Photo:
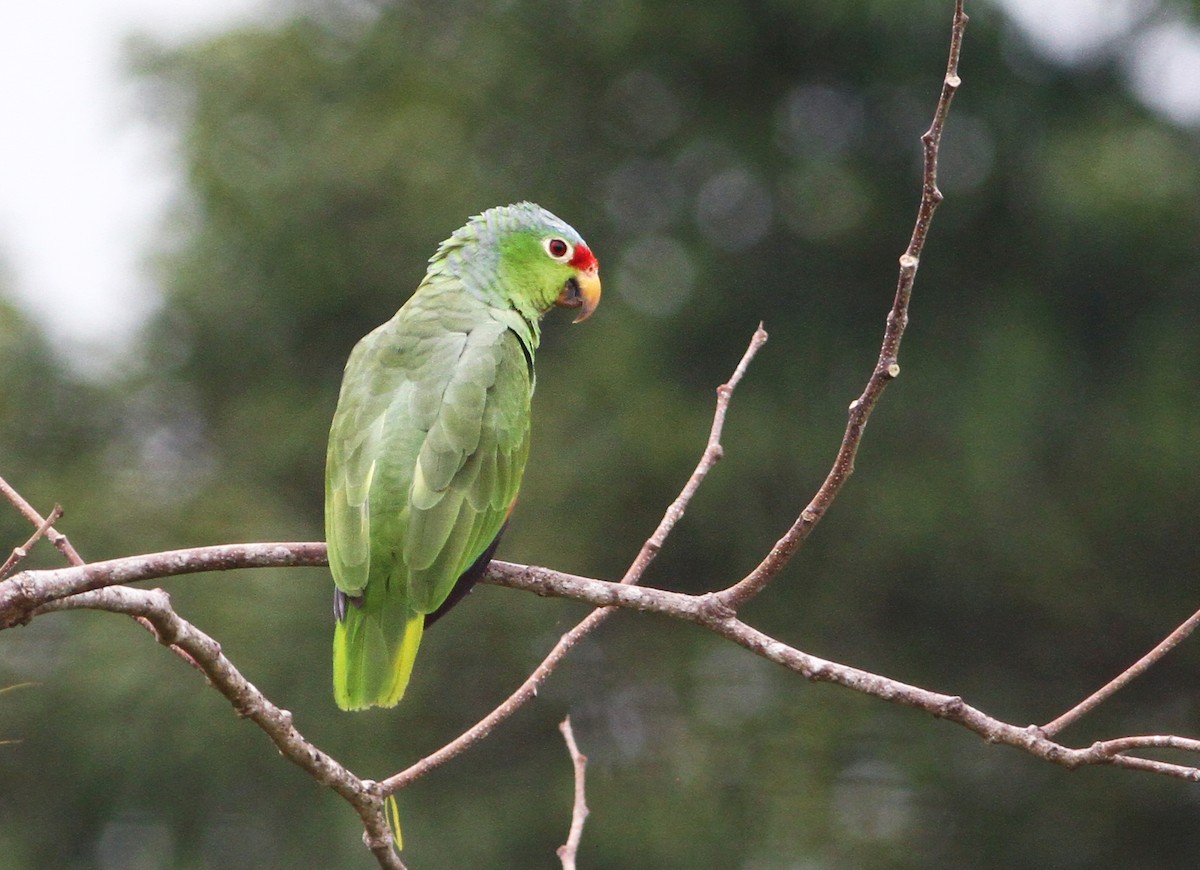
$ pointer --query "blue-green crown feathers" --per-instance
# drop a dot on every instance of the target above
(480, 236)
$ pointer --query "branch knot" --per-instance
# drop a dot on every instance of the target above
(711, 608)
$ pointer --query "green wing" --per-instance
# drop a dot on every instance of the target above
(426, 453)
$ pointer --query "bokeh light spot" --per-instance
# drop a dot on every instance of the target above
(643, 195)
(656, 275)
(819, 120)
(733, 210)
(822, 201)
(640, 110)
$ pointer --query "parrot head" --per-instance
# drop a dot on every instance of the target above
(528, 257)
(582, 288)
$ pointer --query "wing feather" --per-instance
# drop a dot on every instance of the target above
(483, 422)
(426, 450)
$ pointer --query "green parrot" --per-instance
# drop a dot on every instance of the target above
(430, 437)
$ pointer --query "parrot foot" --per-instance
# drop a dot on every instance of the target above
(340, 600)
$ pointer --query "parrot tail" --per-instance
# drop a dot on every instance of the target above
(374, 646)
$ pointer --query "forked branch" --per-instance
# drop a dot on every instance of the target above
(172, 630)
(57, 538)
(21, 552)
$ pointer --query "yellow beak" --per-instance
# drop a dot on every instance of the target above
(582, 292)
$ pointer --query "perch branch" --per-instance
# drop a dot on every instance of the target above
(24, 592)
(568, 851)
(704, 610)
(887, 367)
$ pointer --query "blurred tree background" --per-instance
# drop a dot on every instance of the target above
(1020, 528)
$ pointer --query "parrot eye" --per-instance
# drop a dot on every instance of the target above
(557, 249)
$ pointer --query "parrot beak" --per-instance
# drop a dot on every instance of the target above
(582, 292)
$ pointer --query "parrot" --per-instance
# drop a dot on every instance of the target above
(429, 440)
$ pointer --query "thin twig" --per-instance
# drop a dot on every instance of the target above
(713, 452)
(57, 538)
(481, 729)
(72, 556)
(60, 541)
(529, 688)
(1147, 741)
(887, 367)
(22, 551)
(1125, 677)
(568, 851)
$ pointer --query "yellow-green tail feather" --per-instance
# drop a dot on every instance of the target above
(393, 816)
(373, 656)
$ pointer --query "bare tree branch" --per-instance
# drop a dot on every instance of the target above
(481, 729)
(97, 586)
(172, 630)
(709, 612)
(704, 610)
(713, 452)
(69, 552)
(1149, 741)
(57, 538)
(887, 368)
(1125, 677)
(22, 551)
(568, 851)
(22, 593)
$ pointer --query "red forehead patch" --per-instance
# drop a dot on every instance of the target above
(584, 260)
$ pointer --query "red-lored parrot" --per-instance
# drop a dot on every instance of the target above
(430, 437)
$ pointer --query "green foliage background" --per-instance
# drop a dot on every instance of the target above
(1021, 525)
